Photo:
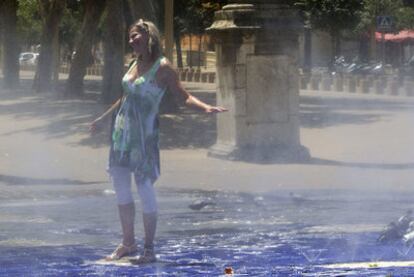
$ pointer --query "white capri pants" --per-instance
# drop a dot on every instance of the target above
(121, 180)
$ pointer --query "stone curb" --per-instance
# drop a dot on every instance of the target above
(369, 84)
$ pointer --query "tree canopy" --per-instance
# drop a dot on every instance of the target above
(333, 16)
(29, 24)
(357, 17)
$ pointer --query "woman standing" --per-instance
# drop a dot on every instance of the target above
(134, 148)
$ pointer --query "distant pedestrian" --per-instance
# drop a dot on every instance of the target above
(134, 145)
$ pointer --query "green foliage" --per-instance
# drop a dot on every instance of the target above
(406, 18)
(373, 8)
(194, 16)
(356, 16)
(70, 24)
(208, 10)
(29, 25)
(331, 15)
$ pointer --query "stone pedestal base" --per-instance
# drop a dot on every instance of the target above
(257, 67)
(261, 154)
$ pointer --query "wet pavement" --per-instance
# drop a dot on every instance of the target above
(58, 214)
(272, 234)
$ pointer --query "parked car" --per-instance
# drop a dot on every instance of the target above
(28, 58)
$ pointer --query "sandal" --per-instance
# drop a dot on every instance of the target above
(122, 251)
(146, 258)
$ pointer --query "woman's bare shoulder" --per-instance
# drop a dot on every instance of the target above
(166, 69)
(166, 65)
(166, 73)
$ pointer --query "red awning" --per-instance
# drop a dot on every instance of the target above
(404, 35)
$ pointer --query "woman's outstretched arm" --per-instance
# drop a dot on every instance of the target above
(169, 77)
(94, 126)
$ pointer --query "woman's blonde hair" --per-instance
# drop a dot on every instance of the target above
(154, 40)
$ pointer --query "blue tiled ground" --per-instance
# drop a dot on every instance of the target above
(257, 235)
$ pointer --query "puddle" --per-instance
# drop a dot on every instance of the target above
(255, 235)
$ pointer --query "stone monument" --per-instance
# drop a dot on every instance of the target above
(257, 51)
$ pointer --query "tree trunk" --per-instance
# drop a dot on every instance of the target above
(51, 12)
(1, 33)
(363, 50)
(338, 49)
(114, 39)
(200, 38)
(335, 46)
(372, 45)
(190, 60)
(83, 49)
(10, 48)
(145, 9)
(178, 50)
(307, 66)
(56, 61)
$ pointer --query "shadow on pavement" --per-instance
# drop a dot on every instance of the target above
(322, 112)
(15, 180)
(186, 129)
(395, 166)
(70, 116)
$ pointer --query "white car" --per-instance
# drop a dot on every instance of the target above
(28, 58)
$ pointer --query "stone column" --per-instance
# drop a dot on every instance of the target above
(258, 81)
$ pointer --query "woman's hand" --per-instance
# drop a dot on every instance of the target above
(95, 126)
(214, 109)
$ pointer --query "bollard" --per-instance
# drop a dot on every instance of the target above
(364, 85)
(338, 83)
(409, 87)
(304, 81)
(204, 77)
(393, 86)
(358, 80)
(379, 85)
(351, 84)
(183, 74)
(211, 77)
(197, 75)
(314, 82)
(370, 79)
(190, 75)
(326, 83)
(179, 71)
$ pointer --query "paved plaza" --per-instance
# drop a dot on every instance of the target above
(356, 141)
(58, 213)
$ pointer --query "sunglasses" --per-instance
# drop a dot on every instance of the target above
(141, 26)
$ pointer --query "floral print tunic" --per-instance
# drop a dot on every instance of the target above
(135, 129)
